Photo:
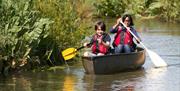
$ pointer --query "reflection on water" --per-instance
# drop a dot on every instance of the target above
(15, 84)
(68, 84)
(115, 82)
(164, 39)
(156, 27)
(144, 79)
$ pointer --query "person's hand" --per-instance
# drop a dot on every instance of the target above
(99, 41)
(138, 40)
(128, 28)
(117, 23)
(118, 20)
(85, 44)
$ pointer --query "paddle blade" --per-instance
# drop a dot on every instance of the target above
(69, 53)
(156, 59)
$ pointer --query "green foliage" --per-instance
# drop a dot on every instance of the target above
(70, 21)
(37, 30)
(115, 8)
(110, 7)
(137, 7)
(22, 28)
(168, 10)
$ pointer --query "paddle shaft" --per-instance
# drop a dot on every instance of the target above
(155, 58)
(83, 46)
(134, 36)
(80, 48)
(77, 49)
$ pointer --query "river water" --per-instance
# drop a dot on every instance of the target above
(162, 38)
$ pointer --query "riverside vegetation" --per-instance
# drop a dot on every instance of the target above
(34, 32)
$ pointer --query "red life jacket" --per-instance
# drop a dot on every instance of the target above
(127, 38)
(98, 48)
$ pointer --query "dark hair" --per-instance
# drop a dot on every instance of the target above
(100, 24)
(130, 19)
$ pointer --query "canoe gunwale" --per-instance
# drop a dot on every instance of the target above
(113, 63)
(141, 50)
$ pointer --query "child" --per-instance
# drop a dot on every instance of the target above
(123, 41)
(100, 41)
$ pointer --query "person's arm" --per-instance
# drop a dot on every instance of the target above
(136, 34)
(106, 41)
(114, 29)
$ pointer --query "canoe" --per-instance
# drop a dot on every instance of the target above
(114, 63)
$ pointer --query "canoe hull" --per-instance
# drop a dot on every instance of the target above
(115, 63)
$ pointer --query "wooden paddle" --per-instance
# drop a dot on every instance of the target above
(155, 58)
(71, 52)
